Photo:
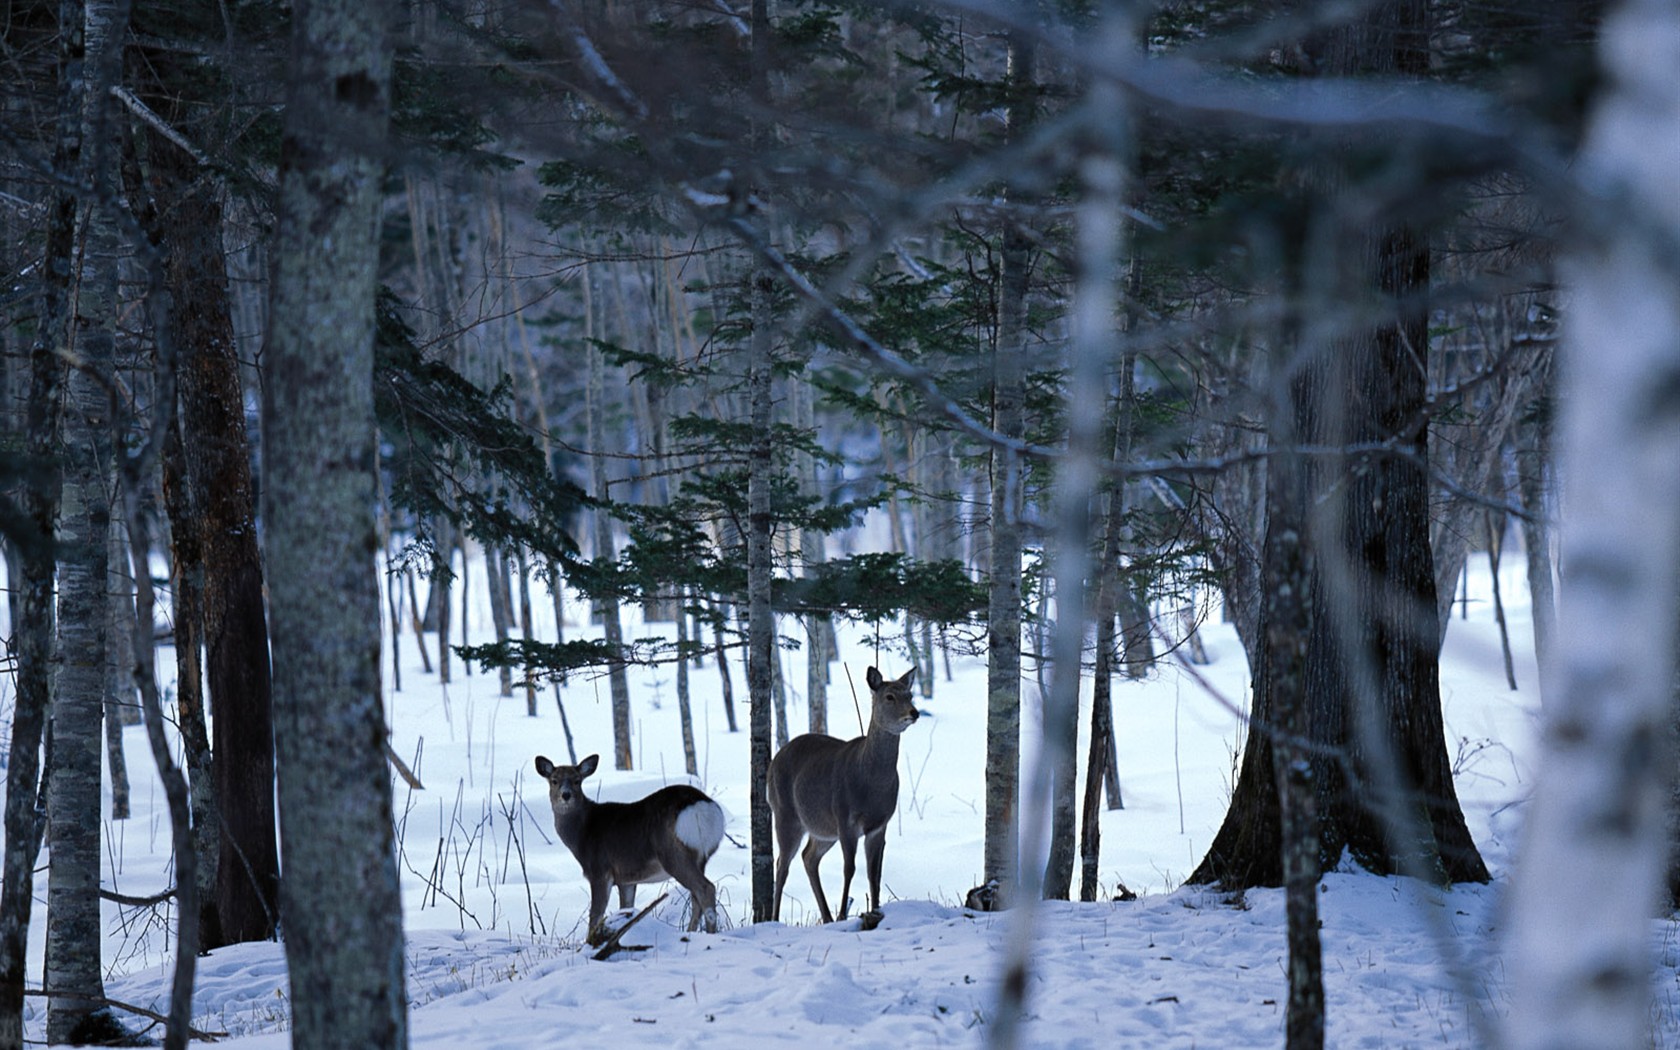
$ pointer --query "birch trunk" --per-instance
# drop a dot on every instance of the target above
(1592, 871)
(35, 624)
(1003, 604)
(74, 975)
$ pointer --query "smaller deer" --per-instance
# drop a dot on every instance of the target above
(838, 791)
(671, 833)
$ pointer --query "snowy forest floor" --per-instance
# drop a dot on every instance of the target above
(495, 905)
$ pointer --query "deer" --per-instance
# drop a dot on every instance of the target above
(671, 833)
(830, 790)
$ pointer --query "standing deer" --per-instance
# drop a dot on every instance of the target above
(671, 833)
(838, 790)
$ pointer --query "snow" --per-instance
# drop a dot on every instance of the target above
(495, 905)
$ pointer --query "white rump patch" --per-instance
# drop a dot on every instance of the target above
(700, 827)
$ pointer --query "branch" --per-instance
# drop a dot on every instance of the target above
(611, 944)
(127, 901)
(157, 123)
(139, 1011)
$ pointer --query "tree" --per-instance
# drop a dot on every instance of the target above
(761, 624)
(215, 527)
(1003, 619)
(1597, 847)
(25, 814)
(340, 902)
(1383, 785)
(74, 973)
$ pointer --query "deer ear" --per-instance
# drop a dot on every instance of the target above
(909, 676)
(873, 677)
(544, 766)
(587, 766)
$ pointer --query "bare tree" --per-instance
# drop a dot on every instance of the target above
(340, 899)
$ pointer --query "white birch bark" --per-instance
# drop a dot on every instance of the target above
(1592, 868)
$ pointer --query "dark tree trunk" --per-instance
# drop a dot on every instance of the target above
(501, 607)
(187, 586)
(341, 901)
(1372, 674)
(120, 708)
(35, 626)
(527, 631)
(726, 682)
(217, 458)
(760, 620)
(1280, 673)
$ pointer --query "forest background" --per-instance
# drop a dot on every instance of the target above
(1104, 307)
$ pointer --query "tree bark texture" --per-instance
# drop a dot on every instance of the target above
(340, 899)
(216, 455)
(761, 638)
(612, 628)
(120, 706)
(186, 583)
(35, 627)
(74, 975)
(1372, 675)
(1592, 871)
(1003, 604)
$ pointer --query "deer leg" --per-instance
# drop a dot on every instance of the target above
(812, 856)
(627, 895)
(874, 844)
(848, 857)
(788, 833)
(597, 909)
(690, 874)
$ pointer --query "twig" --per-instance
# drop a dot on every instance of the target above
(402, 768)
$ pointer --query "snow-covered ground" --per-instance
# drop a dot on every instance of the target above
(495, 904)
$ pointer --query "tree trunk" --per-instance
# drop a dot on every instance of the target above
(35, 626)
(811, 554)
(1533, 459)
(186, 582)
(1596, 845)
(74, 974)
(612, 628)
(685, 712)
(1496, 542)
(1003, 632)
(341, 900)
(521, 565)
(120, 708)
(1280, 675)
(501, 607)
(760, 624)
(217, 458)
(761, 628)
(726, 684)
(443, 575)
(1381, 770)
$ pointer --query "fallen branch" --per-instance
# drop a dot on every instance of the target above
(612, 945)
(138, 1011)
